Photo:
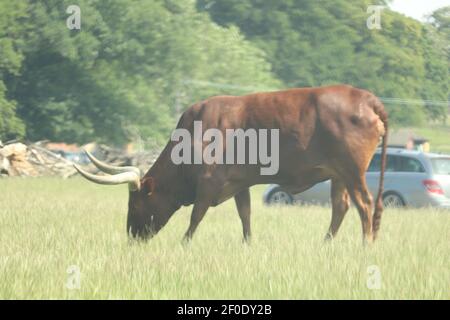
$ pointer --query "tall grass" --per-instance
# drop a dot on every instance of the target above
(48, 225)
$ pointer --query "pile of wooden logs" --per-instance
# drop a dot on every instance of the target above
(33, 160)
(18, 159)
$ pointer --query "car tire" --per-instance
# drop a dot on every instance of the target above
(277, 196)
(392, 199)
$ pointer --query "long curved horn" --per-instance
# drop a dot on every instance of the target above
(130, 177)
(109, 168)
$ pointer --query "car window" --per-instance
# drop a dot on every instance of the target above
(374, 165)
(407, 164)
(396, 163)
(391, 163)
(441, 166)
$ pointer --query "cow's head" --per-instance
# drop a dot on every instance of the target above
(149, 208)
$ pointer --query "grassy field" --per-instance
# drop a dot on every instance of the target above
(49, 225)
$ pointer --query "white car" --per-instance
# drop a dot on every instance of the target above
(412, 178)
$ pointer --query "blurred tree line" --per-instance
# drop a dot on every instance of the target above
(136, 64)
(312, 43)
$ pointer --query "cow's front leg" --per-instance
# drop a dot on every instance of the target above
(198, 212)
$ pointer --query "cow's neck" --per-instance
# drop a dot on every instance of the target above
(169, 179)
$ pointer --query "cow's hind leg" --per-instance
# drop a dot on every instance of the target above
(242, 200)
(340, 202)
(363, 200)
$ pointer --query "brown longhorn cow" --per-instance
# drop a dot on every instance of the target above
(324, 133)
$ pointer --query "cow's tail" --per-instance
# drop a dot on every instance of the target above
(379, 110)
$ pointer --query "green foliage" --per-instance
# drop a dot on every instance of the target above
(10, 125)
(136, 65)
(12, 13)
(128, 73)
(437, 56)
(312, 43)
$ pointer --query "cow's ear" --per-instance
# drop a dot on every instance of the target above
(148, 184)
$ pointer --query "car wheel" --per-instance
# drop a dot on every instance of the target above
(279, 197)
(393, 200)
